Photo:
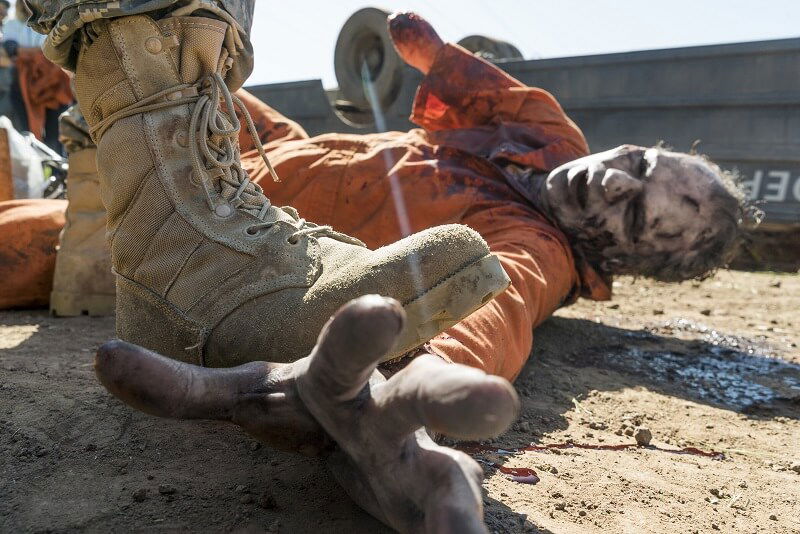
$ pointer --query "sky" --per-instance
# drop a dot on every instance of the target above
(295, 40)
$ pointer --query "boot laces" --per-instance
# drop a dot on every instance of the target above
(215, 156)
(214, 148)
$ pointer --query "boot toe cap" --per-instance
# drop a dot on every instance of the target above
(431, 265)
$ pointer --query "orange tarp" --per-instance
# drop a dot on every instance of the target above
(28, 238)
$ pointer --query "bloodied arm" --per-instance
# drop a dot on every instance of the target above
(369, 430)
(461, 91)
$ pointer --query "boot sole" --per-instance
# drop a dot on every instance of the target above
(66, 304)
(449, 302)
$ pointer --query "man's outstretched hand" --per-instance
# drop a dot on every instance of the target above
(335, 403)
(415, 40)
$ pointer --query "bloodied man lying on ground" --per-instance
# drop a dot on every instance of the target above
(491, 154)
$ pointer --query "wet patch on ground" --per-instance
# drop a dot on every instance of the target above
(728, 370)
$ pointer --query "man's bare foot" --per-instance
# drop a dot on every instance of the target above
(415, 40)
(382, 455)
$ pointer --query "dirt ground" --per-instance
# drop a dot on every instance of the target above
(712, 365)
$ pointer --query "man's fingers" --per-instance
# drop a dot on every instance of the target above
(415, 40)
(410, 28)
(349, 476)
(164, 387)
(454, 502)
(351, 345)
(450, 399)
(454, 518)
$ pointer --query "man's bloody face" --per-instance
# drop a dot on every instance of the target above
(632, 202)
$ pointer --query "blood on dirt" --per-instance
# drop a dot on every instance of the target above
(525, 475)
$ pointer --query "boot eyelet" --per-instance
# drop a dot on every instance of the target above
(193, 179)
(181, 138)
(153, 45)
(291, 240)
(250, 232)
(223, 210)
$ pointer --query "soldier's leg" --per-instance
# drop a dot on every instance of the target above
(83, 282)
(63, 20)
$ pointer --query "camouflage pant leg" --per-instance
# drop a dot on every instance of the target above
(60, 20)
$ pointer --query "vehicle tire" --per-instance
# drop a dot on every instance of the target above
(489, 48)
(365, 37)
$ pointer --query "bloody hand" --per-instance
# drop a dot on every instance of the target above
(334, 402)
(415, 40)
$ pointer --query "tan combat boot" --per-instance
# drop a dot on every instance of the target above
(209, 271)
(83, 283)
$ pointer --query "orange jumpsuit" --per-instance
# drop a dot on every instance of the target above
(475, 120)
